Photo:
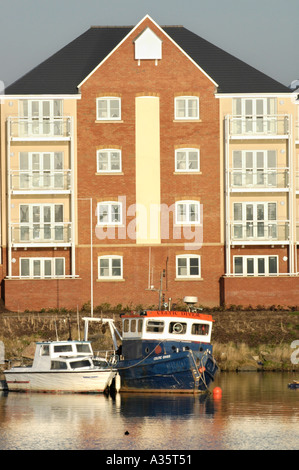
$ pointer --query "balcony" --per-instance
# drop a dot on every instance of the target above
(259, 232)
(40, 182)
(38, 129)
(40, 235)
(260, 180)
(250, 127)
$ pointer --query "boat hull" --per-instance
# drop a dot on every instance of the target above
(182, 372)
(95, 381)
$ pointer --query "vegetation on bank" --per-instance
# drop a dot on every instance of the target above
(243, 339)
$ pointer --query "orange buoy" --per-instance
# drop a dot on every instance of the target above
(217, 392)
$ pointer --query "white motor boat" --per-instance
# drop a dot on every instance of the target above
(62, 367)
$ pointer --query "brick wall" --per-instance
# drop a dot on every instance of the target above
(265, 291)
(174, 75)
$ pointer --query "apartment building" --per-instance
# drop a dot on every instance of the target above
(142, 164)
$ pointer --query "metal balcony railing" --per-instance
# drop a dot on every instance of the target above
(259, 179)
(24, 180)
(270, 125)
(260, 231)
(46, 233)
(41, 127)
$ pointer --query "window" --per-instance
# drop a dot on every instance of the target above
(109, 213)
(254, 115)
(188, 266)
(41, 222)
(255, 265)
(187, 160)
(58, 365)
(41, 117)
(257, 168)
(108, 109)
(41, 170)
(255, 220)
(153, 326)
(187, 212)
(42, 267)
(108, 161)
(177, 328)
(126, 326)
(186, 107)
(140, 325)
(41, 108)
(63, 348)
(110, 267)
(80, 364)
(45, 350)
(83, 348)
(200, 329)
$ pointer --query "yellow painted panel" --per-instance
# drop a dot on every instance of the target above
(148, 170)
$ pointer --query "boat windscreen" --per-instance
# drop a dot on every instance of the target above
(79, 364)
(154, 326)
(58, 365)
(83, 348)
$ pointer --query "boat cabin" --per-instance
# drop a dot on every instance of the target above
(168, 326)
(62, 355)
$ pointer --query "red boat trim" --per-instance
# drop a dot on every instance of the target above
(18, 381)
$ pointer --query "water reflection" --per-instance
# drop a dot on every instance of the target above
(256, 411)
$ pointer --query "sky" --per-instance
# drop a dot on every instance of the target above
(263, 33)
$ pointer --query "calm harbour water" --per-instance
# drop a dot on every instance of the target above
(257, 411)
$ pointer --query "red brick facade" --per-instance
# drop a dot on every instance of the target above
(121, 75)
(174, 75)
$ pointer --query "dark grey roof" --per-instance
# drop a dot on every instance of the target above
(66, 69)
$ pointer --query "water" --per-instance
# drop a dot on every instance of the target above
(256, 411)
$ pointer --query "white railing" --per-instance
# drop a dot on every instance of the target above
(40, 127)
(270, 125)
(24, 180)
(270, 178)
(30, 234)
(260, 231)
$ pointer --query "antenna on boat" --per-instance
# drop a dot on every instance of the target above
(190, 301)
(56, 330)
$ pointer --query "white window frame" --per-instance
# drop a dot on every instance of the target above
(26, 108)
(187, 115)
(109, 205)
(188, 266)
(37, 228)
(42, 177)
(256, 258)
(255, 227)
(188, 213)
(258, 115)
(42, 275)
(255, 169)
(187, 151)
(108, 100)
(110, 259)
(41, 117)
(109, 160)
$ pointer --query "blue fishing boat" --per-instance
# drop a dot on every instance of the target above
(166, 351)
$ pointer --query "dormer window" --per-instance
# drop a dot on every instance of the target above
(148, 46)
